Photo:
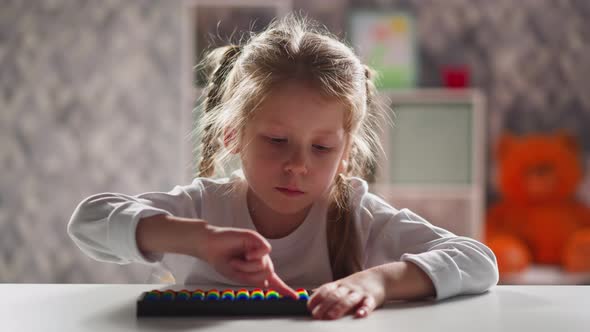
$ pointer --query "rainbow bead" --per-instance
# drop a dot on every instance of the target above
(228, 294)
(168, 295)
(302, 293)
(153, 295)
(213, 294)
(183, 295)
(243, 294)
(257, 294)
(272, 295)
(198, 295)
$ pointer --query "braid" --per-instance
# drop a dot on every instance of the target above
(214, 91)
(372, 123)
(343, 243)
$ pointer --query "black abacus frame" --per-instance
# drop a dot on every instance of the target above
(188, 307)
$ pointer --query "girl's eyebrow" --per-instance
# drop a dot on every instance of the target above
(327, 132)
(324, 132)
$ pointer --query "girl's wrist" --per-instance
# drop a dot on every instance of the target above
(379, 282)
(405, 281)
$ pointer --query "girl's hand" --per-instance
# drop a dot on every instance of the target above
(243, 255)
(358, 294)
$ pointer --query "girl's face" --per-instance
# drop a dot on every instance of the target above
(293, 147)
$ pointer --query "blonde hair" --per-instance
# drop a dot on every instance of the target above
(295, 48)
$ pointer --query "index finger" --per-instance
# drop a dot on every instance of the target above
(280, 286)
(255, 246)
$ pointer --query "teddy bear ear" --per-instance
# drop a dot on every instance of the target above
(505, 143)
(568, 139)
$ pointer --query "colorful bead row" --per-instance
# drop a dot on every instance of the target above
(214, 295)
(302, 293)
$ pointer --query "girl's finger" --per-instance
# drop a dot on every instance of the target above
(349, 302)
(329, 301)
(256, 279)
(259, 278)
(252, 245)
(320, 295)
(256, 253)
(276, 283)
(366, 307)
(247, 266)
(255, 246)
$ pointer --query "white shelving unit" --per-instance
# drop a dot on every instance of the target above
(434, 161)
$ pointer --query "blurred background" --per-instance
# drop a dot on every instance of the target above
(97, 96)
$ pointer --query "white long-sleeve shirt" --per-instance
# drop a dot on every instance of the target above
(104, 228)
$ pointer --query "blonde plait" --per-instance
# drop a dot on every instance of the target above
(210, 143)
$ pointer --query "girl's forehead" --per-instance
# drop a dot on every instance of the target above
(294, 104)
(324, 121)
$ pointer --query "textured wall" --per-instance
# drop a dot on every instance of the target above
(90, 96)
(90, 101)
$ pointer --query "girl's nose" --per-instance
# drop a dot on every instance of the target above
(296, 163)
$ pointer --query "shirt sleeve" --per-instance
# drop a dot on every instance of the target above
(455, 264)
(103, 226)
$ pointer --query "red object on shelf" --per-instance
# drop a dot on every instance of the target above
(456, 76)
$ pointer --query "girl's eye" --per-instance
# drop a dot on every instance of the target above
(322, 148)
(277, 140)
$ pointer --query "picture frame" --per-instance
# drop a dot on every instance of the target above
(386, 42)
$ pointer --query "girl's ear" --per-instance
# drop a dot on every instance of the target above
(343, 167)
(229, 140)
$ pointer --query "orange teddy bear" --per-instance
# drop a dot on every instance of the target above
(538, 219)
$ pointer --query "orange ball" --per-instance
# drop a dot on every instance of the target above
(577, 252)
(512, 255)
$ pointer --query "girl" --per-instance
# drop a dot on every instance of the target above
(298, 109)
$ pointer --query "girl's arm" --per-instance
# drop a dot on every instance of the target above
(407, 258)
(404, 281)
(163, 233)
(104, 226)
(122, 229)
(454, 264)
(239, 254)
(362, 292)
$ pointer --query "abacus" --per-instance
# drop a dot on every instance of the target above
(214, 302)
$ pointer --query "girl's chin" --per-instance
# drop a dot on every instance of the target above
(289, 209)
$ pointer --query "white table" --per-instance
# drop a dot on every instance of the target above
(62, 307)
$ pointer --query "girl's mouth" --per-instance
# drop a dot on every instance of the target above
(290, 192)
